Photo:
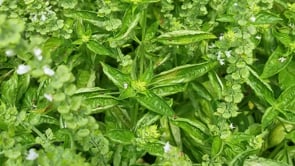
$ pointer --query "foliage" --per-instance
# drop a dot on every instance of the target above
(147, 82)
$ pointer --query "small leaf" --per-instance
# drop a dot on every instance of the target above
(99, 49)
(276, 62)
(117, 77)
(153, 149)
(100, 102)
(121, 136)
(285, 38)
(197, 124)
(184, 37)
(267, 18)
(261, 89)
(154, 103)
(217, 146)
(183, 74)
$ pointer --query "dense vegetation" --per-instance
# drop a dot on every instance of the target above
(147, 82)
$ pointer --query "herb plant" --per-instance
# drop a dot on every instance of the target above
(147, 82)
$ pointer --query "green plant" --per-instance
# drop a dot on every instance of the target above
(147, 82)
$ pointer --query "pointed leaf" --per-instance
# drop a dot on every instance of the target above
(121, 136)
(117, 77)
(287, 76)
(184, 37)
(183, 74)
(267, 18)
(154, 103)
(287, 97)
(268, 117)
(261, 89)
(276, 62)
(167, 90)
(99, 49)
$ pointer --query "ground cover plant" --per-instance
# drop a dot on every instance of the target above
(147, 82)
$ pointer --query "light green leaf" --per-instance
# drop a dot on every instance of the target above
(286, 97)
(167, 90)
(121, 136)
(184, 37)
(269, 116)
(267, 18)
(263, 162)
(276, 62)
(154, 103)
(287, 76)
(153, 149)
(183, 74)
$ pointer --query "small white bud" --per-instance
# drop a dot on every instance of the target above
(125, 85)
(23, 69)
(48, 71)
(252, 19)
(43, 17)
(282, 59)
(167, 147)
(9, 53)
(221, 61)
(37, 53)
(235, 4)
(33, 155)
(231, 126)
(228, 53)
(48, 97)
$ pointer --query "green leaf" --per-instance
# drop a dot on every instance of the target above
(116, 76)
(287, 76)
(99, 49)
(99, 103)
(201, 91)
(153, 148)
(276, 62)
(88, 16)
(241, 157)
(9, 90)
(217, 146)
(147, 119)
(68, 4)
(181, 37)
(269, 116)
(267, 18)
(261, 89)
(167, 90)
(121, 136)
(154, 103)
(286, 97)
(183, 74)
(285, 38)
(197, 124)
(263, 162)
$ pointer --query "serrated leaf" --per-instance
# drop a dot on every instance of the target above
(154, 103)
(261, 89)
(116, 76)
(182, 37)
(121, 136)
(183, 74)
(276, 62)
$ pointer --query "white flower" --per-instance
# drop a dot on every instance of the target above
(228, 53)
(221, 61)
(33, 155)
(235, 4)
(23, 69)
(212, 45)
(125, 85)
(252, 19)
(48, 71)
(258, 37)
(167, 147)
(9, 52)
(282, 59)
(1, 1)
(48, 97)
(43, 17)
(231, 126)
(221, 37)
(37, 53)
